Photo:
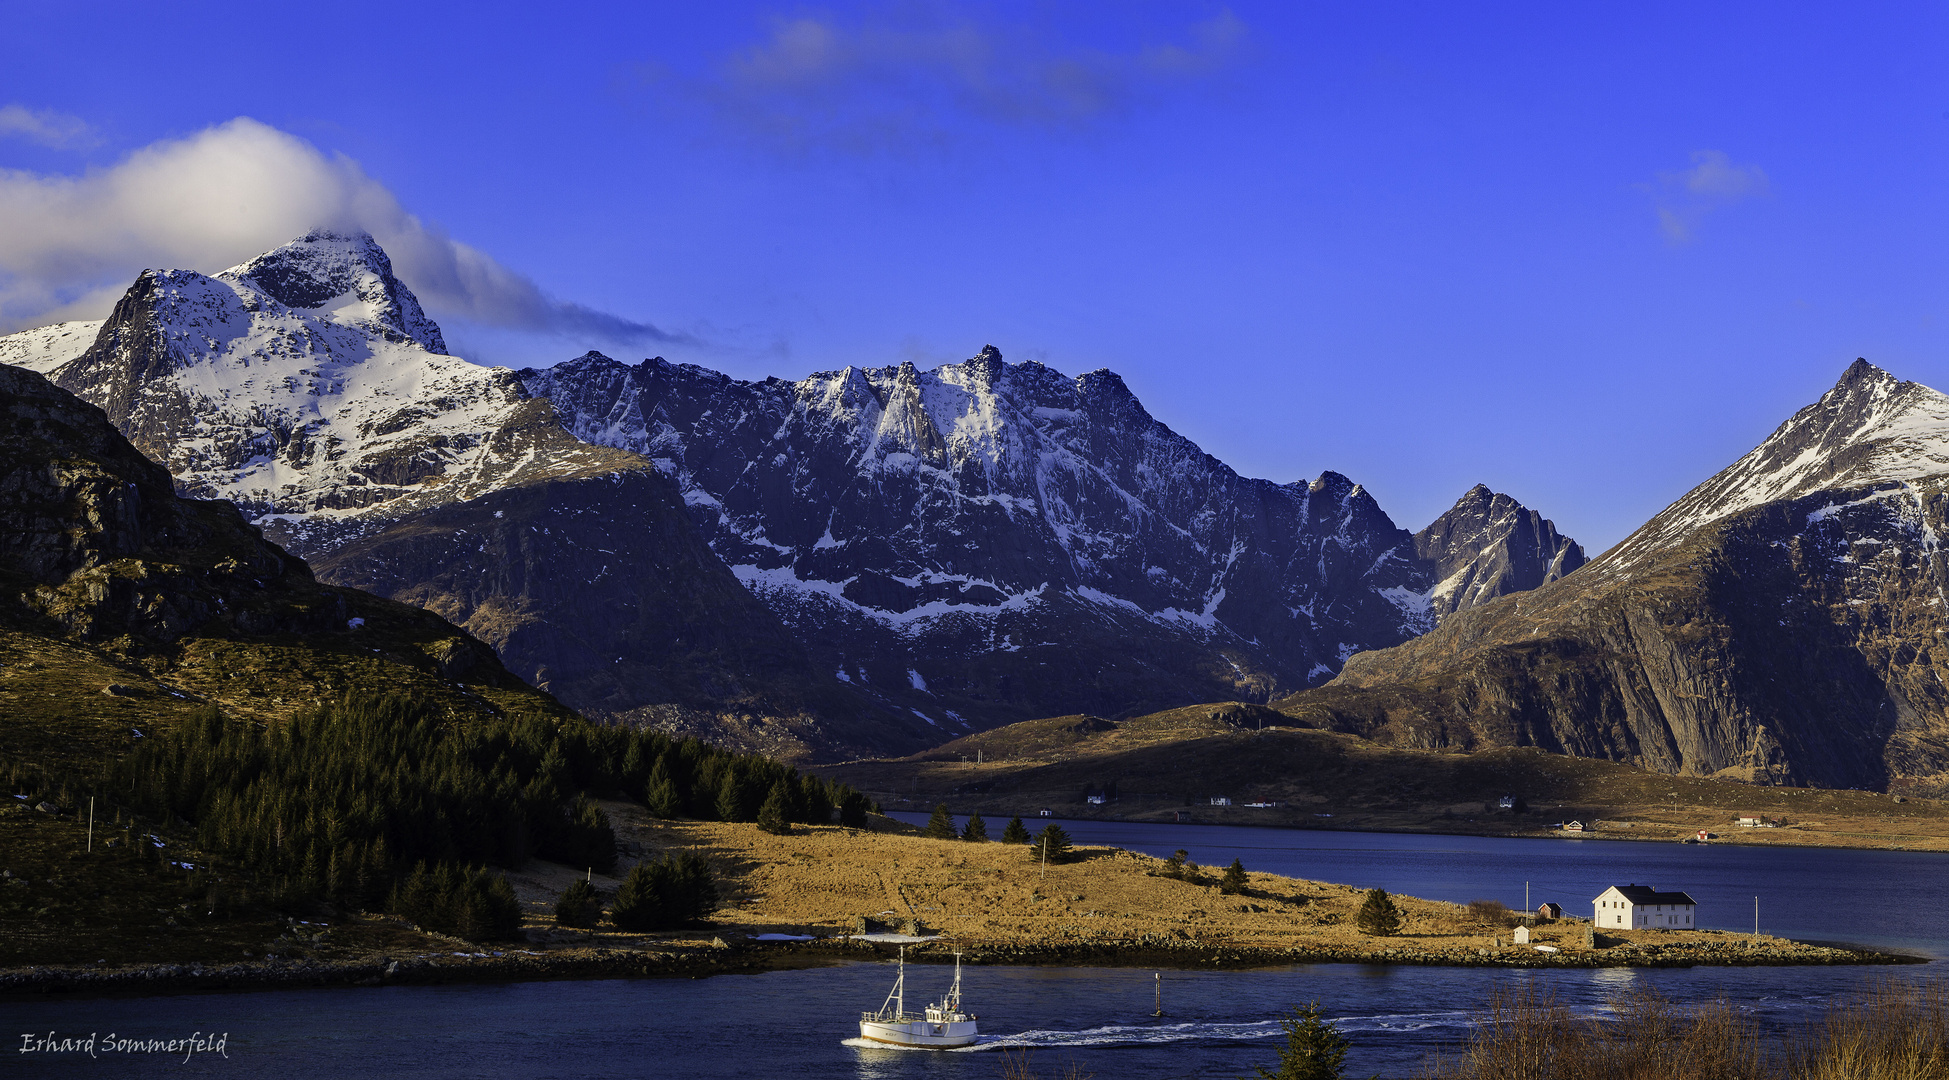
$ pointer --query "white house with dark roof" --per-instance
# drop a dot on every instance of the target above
(1641, 907)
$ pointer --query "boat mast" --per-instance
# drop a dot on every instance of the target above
(953, 1002)
(897, 997)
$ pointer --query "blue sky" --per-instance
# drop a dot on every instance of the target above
(1586, 257)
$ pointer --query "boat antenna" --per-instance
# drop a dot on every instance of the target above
(1159, 976)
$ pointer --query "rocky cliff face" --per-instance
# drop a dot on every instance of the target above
(992, 541)
(1489, 545)
(1781, 623)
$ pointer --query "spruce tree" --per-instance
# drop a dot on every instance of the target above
(773, 817)
(1379, 916)
(1052, 844)
(976, 830)
(941, 825)
(641, 903)
(852, 810)
(1015, 832)
(1234, 881)
(693, 887)
(662, 800)
(1315, 1049)
(730, 799)
(577, 906)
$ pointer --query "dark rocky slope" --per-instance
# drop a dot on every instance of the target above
(122, 603)
(1782, 623)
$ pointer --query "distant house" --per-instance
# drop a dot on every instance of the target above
(1549, 912)
(1181, 815)
(1266, 804)
(1704, 835)
(1641, 907)
(1507, 802)
(1045, 812)
(1095, 800)
(1221, 800)
(1749, 823)
(1573, 826)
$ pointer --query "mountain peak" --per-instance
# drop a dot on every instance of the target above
(346, 272)
(1871, 430)
(1862, 373)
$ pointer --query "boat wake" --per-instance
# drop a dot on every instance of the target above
(1194, 1031)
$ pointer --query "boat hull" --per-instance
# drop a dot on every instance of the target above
(919, 1032)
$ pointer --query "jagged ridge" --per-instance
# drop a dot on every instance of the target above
(1780, 623)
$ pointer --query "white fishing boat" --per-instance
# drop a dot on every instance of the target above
(939, 1025)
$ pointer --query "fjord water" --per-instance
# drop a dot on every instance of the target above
(1883, 899)
(1218, 1023)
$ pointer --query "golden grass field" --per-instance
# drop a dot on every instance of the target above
(992, 898)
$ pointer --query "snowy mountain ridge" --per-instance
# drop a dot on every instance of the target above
(1871, 430)
(973, 544)
(306, 385)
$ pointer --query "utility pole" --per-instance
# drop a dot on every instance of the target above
(91, 824)
(1526, 906)
(1756, 916)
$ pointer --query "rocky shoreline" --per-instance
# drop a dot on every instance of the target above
(724, 958)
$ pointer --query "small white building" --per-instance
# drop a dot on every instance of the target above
(1641, 907)
(1522, 935)
(1221, 800)
(1094, 800)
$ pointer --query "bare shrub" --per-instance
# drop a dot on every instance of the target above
(1892, 1032)
(1492, 913)
(1015, 1066)
(1527, 1035)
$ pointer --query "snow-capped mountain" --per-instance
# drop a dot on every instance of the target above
(308, 387)
(1783, 622)
(1871, 431)
(1002, 540)
(863, 560)
(305, 383)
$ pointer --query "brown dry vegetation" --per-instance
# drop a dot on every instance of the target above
(993, 899)
(1893, 1032)
(1175, 761)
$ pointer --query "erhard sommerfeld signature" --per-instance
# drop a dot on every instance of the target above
(198, 1042)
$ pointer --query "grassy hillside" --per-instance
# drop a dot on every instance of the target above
(1151, 768)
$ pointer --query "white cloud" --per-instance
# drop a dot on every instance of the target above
(885, 83)
(1686, 196)
(45, 126)
(224, 194)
